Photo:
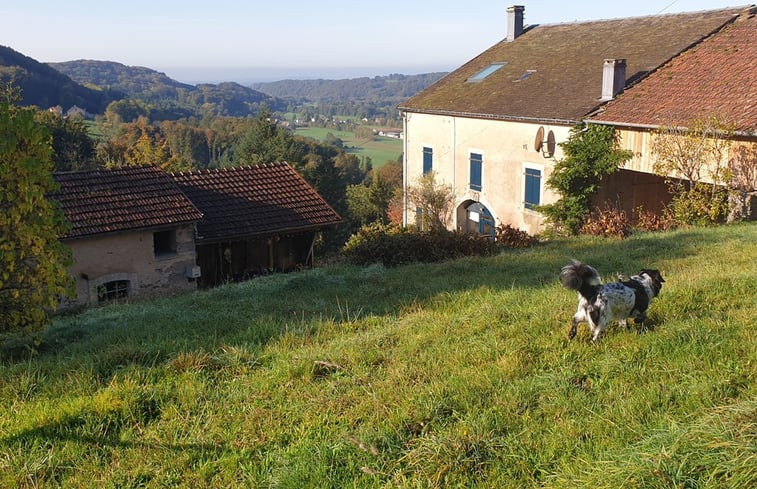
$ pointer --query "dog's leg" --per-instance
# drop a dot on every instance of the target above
(573, 327)
(624, 323)
(597, 336)
(639, 321)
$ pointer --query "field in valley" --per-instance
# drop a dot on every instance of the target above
(456, 374)
(379, 149)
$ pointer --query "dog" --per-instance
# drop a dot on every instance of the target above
(599, 304)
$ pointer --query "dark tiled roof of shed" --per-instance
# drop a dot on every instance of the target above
(121, 199)
(567, 59)
(253, 201)
(718, 77)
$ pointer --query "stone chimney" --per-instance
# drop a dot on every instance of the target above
(514, 21)
(613, 78)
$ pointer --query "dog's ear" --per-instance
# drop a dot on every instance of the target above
(655, 274)
(652, 273)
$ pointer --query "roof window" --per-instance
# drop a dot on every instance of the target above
(525, 75)
(483, 74)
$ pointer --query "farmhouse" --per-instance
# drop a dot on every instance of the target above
(132, 233)
(491, 129)
(138, 231)
(716, 79)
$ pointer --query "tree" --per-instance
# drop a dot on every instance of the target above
(742, 174)
(32, 260)
(370, 204)
(591, 152)
(694, 161)
(435, 201)
(73, 149)
(267, 142)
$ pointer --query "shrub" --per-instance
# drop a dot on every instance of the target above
(394, 245)
(650, 221)
(700, 205)
(608, 222)
(509, 237)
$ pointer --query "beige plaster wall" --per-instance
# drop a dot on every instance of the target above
(130, 256)
(507, 149)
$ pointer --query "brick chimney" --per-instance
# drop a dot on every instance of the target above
(613, 78)
(514, 21)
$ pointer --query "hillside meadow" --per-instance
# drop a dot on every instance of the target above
(379, 149)
(456, 374)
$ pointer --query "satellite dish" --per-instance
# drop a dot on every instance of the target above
(538, 140)
(550, 149)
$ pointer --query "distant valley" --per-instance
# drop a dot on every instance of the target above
(93, 85)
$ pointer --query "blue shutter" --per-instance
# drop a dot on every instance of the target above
(533, 188)
(476, 162)
(428, 159)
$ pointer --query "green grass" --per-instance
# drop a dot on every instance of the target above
(379, 149)
(456, 374)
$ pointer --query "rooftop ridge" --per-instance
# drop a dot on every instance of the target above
(735, 9)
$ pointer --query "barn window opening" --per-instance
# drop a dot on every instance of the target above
(114, 290)
(164, 243)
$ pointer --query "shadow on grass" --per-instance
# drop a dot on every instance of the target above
(253, 313)
(105, 430)
(62, 432)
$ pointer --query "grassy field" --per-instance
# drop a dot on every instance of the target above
(378, 149)
(440, 375)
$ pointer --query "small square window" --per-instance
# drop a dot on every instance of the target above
(164, 242)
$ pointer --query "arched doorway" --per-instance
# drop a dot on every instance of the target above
(475, 218)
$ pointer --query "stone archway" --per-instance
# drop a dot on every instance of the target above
(474, 218)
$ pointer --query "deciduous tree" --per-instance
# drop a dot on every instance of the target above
(434, 199)
(694, 160)
(32, 260)
(591, 152)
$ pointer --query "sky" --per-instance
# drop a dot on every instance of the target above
(246, 41)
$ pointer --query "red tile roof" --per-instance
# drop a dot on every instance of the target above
(254, 201)
(121, 199)
(567, 60)
(717, 77)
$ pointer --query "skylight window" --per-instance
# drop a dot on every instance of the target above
(481, 75)
(525, 75)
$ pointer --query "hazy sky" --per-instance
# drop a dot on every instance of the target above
(219, 40)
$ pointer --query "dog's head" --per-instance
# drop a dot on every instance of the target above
(655, 279)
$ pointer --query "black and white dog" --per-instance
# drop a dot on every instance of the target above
(599, 304)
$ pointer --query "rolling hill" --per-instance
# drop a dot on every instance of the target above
(46, 87)
(385, 89)
(151, 86)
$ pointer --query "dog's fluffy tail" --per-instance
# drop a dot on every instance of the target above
(582, 278)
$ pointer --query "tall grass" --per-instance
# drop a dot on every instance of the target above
(453, 374)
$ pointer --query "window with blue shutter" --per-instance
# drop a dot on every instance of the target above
(476, 163)
(533, 188)
(428, 159)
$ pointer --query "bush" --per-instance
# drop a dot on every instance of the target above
(608, 222)
(394, 245)
(650, 221)
(700, 205)
(509, 237)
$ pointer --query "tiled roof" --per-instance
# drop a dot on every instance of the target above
(717, 77)
(121, 199)
(567, 59)
(253, 201)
